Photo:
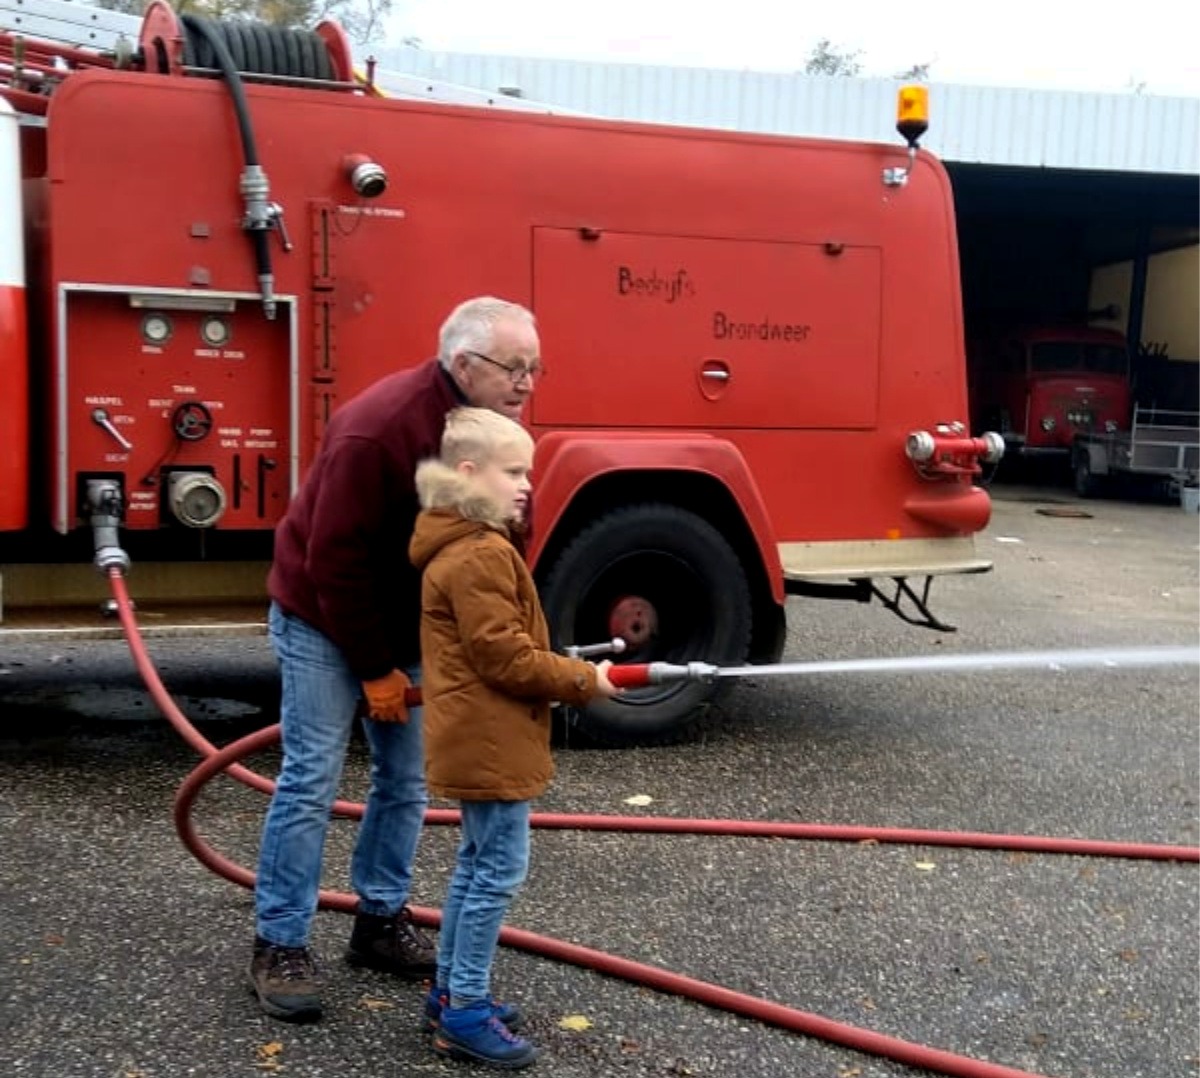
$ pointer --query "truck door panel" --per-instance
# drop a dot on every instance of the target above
(684, 331)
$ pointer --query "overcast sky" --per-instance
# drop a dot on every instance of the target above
(1057, 44)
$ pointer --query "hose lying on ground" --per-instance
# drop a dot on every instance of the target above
(225, 760)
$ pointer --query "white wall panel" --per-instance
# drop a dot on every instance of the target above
(991, 125)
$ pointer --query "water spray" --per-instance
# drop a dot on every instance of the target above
(639, 675)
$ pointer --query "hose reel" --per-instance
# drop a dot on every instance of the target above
(169, 46)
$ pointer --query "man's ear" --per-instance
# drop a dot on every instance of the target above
(458, 368)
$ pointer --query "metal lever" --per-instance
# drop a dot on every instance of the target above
(275, 215)
(100, 418)
(585, 651)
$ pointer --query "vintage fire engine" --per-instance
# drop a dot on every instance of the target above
(754, 344)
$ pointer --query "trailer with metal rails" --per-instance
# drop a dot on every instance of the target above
(1161, 445)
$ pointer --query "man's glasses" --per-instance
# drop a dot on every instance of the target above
(516, 374)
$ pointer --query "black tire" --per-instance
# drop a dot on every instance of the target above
(688, 577)
(1086, 482)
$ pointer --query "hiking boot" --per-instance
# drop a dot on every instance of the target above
(474, 1034)
(286, 982)
(392, 945)
(439, 998)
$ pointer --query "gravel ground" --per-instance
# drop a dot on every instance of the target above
(122, 957)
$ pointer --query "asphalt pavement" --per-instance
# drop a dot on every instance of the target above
(122, 957)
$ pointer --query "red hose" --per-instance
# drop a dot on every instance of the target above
(713, 995)
(177, 718)
(225, 760)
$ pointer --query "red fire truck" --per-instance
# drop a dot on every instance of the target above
(756, 381)
(1043, 385)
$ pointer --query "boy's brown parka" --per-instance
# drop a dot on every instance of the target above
(487, 674)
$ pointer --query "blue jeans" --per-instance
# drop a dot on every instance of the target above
(493, 859)
(319, 706)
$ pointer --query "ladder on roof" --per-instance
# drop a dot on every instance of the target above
(78, 25)
(67, 22)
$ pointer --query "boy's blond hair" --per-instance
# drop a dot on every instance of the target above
(478, 434)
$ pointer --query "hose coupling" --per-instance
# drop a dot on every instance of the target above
(368, 178)
(256, 191)
(106, 509)
(693, 671)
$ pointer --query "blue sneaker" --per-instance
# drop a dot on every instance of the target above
(475, 1035)
(438, 998)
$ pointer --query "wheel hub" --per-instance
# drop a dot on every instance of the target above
(634, 619)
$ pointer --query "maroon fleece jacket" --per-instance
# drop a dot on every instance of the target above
(341, 551)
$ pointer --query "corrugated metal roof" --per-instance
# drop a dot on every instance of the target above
(988, 125)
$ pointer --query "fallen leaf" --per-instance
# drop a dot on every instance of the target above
(849, 1072)
(376, 1004)
(639, 800)
(575, 1022)
(269, 1050)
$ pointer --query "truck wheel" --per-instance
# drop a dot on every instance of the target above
(664, 580)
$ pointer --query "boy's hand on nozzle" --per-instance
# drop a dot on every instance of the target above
(604, 687)
(385, 697)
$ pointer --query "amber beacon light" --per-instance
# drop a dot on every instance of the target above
(912, 121)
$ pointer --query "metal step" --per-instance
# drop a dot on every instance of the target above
(45, 602)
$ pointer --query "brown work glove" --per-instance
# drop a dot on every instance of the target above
(385, 697)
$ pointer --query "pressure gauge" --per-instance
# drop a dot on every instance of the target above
(215, 331)
(156, 328)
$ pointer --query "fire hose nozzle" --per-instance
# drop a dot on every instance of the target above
(639, 675)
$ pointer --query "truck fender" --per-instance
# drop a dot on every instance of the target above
(565, 462)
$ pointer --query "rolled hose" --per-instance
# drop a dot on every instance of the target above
(225, 760)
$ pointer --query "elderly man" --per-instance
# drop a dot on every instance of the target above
(344, 623)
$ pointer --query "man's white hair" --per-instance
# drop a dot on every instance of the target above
(470, 326)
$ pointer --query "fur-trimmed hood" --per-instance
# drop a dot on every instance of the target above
(452, 507)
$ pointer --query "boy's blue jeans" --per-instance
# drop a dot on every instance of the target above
(320, 699)
(493, 859)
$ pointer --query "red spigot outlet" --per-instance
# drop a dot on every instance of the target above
(950, 451)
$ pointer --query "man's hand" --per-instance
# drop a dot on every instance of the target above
(385, 697)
